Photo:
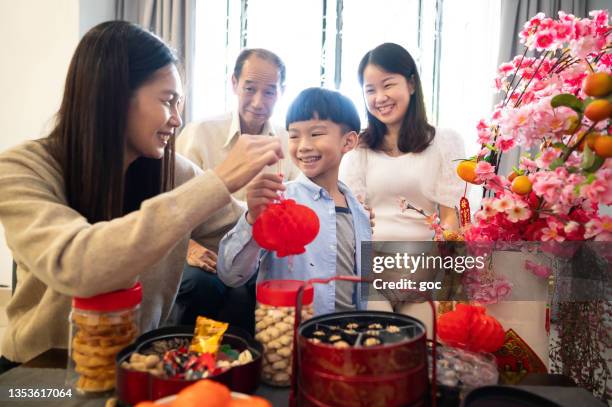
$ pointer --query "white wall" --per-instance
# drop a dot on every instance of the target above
(38, 39)
(92, 12)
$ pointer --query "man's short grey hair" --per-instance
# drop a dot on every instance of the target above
(263, 54)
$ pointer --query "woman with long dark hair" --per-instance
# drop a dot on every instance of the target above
(400, 155)
(104, 201)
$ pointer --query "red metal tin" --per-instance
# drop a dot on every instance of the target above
(393, 374)
(390, 374)
(133, 387)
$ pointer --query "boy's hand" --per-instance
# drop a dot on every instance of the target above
(260, 192)
(200, 256)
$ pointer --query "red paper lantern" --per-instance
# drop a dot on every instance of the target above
(469, 327)
(286, 227)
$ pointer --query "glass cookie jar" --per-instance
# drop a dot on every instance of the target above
(100, 327)
(274, 323)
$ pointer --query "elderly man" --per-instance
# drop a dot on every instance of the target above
(258, 81)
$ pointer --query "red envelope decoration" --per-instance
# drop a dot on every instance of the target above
(286, 227)
(516, 359)
(469, 327)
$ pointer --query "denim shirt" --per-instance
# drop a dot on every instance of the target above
(240, 256)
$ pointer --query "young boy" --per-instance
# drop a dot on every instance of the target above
(322, 126)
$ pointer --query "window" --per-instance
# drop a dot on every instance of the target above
(366, 25)
(292, 30)
(453, 42)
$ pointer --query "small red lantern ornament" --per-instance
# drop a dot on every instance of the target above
(469, 327)
(286, 227)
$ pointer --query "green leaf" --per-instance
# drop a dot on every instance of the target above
(573, 170)
(590, 179)
(472, 158)
(569, 100)
(490, 147)
(588, 157)
(558, 162)
(517, 170)
(597, 162)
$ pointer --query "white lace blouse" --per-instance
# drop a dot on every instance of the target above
(425, 179)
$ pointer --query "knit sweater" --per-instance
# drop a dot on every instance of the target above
(60, 255)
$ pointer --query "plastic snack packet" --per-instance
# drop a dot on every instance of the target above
(208, 335)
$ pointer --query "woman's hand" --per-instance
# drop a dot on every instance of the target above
(368, 209)
(263, 190)
(200, 256)
(371, 212)
(247, 158)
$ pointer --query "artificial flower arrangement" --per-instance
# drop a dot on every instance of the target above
(560, 104)
(556, 106)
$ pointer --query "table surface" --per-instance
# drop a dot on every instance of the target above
(48, 371)
(54, 378)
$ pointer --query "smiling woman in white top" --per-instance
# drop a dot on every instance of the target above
(400, 155)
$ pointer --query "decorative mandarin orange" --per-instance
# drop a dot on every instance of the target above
(599, 109)
(252, 401)
(589, 140)
(203, 393)
(521, 185)
(597, 84)
(466, 170)
(603, 146)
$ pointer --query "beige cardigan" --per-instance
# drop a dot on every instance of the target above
(60, 255)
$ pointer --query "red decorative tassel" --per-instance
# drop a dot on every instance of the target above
(464, 205)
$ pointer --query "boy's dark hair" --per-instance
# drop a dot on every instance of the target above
(263, 54)
(324, 104)
(416, 133)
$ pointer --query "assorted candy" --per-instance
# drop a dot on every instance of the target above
(183, 358)
(182, 363)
